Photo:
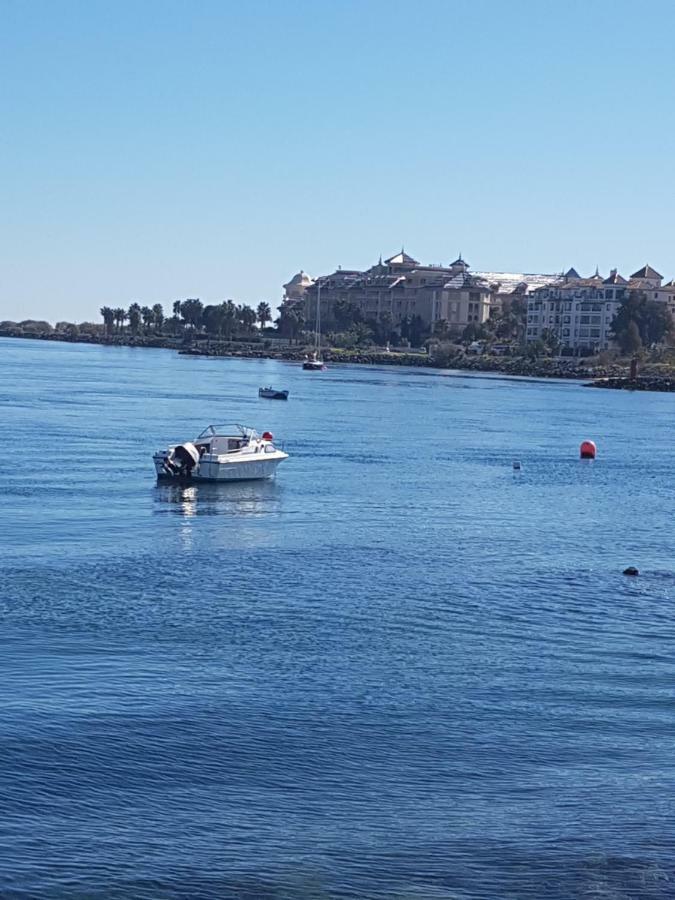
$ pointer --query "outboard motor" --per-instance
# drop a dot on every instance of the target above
(182, 461)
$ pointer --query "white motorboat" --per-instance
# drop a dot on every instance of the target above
(221, 453)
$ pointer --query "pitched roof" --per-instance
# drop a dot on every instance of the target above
(464, 280)
(615, 278)
(572, 273)
(459, 262)
(401, 259)
(646, 272)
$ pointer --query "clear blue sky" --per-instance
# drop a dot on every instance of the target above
(153, 151)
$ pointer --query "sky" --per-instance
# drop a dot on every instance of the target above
(161, 150)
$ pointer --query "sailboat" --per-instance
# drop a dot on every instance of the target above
(315, 363)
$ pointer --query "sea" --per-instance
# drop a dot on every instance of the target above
(403, 669)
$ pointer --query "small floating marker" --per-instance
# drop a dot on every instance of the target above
(631, 570)
(587, 450)
(516, 465)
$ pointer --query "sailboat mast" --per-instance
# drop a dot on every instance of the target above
(317, 334)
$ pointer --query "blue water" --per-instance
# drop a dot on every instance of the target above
(401, 670)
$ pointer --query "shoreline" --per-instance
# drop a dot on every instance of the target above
(612, 377)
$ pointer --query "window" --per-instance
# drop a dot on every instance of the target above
(585, 320)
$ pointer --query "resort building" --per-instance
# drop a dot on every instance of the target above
(402, 288)
(579, 311)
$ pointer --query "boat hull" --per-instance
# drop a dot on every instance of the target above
(272, 395)
(246, 470)
(313, 366)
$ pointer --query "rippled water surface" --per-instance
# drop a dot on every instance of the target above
(401, 670)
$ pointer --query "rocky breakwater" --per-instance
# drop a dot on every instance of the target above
(644, 382)
(523, 367)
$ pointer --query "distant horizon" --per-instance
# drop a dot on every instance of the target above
(158, 152)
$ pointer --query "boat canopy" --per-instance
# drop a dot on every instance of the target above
(230, 429)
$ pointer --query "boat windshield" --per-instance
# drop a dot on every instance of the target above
(227, 430)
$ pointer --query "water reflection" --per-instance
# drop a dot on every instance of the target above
(244, 498)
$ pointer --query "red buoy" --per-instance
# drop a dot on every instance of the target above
(268, 436)
(587, 450)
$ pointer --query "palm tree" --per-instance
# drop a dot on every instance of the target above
(191, 311)
(134, 317)
(247, 316)
(290, 322)
(264, 313)
(229, 318)
(158, 316)
(211, 317)
(108, 318)
(176, 320)
(148, 317)
(120, 317)
(214, 318)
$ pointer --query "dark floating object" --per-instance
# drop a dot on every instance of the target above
(587, 450)
(631, 570)
(516, 465)
(271, 393)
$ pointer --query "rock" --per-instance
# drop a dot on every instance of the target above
(631, 570)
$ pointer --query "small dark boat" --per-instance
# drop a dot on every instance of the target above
(270, 393)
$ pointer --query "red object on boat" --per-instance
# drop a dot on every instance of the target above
(268, 436)
(587, 450)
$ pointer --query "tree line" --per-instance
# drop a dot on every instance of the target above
(225, 320)
(639, 323)
(344, 324)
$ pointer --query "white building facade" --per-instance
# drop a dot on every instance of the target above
(579, 311)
